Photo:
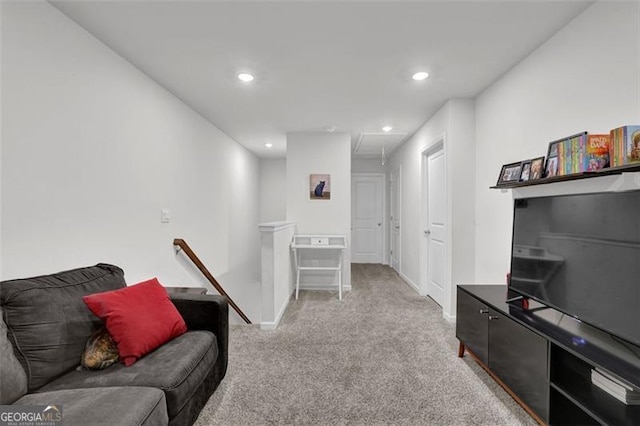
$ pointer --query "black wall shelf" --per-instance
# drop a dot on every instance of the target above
(576, 176)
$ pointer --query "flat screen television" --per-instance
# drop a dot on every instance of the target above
(580, 254)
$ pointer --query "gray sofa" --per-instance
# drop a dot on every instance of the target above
(44, 328)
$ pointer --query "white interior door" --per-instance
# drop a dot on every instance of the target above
(394, 219)
(366, 218)
(436, 226)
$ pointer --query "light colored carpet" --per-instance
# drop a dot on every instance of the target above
(382, 356)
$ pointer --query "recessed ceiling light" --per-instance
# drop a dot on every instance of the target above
(268, 144)
(419, 76)
(387, 128)
(246, 77)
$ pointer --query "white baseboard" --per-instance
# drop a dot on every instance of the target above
(272, 325)
(448, 318)
(411, 283)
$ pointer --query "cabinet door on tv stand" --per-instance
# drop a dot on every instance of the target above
(472, 328)
(519, 357)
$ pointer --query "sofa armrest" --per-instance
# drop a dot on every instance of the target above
(206, 312)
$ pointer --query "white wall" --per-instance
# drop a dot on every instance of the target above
(273, 189)
(276, 275)
(461, 157)
(320, 153)
(586, 77)
(455, 122)
(92, 149)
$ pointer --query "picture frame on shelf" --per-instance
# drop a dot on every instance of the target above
(537, 168)
(525, 171)
(510, 173)
(551, 167)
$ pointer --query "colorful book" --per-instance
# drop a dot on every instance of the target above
(568, 155)
(575, 161)
(561, 159)
(596, 153)
(582, 151)
(579, 148)
(625, 145)
(574, 152)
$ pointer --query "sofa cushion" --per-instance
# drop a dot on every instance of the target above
(49, 323)
(140, 318)
(126, 406)
(177, 367)
(13, 379)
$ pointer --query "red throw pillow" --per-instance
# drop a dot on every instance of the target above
(139, 318)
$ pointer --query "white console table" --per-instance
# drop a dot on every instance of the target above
(309, 244)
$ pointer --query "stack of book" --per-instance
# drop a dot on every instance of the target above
(579, 153)
(625, 145)
(615, 387)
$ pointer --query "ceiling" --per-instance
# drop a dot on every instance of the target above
(321, 65)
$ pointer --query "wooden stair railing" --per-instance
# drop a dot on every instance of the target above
(182, 244)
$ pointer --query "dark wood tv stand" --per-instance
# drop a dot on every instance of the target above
(544, 358)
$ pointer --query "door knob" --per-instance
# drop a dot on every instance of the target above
(427, 232)
(379, 224)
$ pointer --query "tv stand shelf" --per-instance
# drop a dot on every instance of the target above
(570, 376)
(566, 349)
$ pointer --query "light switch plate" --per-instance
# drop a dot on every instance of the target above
(165, 216)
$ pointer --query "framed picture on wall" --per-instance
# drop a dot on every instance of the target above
(320, 186)
(510, 173)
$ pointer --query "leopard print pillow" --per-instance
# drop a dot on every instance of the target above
(100, 351)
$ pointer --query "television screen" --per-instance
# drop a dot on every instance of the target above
(580, 254)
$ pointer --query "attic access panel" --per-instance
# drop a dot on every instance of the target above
(371, 144)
